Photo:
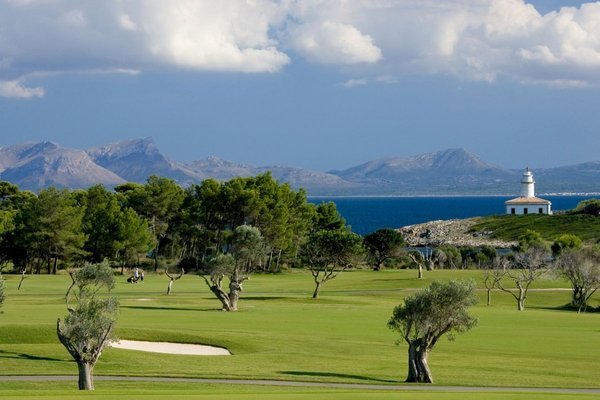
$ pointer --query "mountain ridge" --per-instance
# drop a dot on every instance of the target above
(34, 165)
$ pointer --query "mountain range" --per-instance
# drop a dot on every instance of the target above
(35, 165)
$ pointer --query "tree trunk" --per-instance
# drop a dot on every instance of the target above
(22, 278)
(420, 271)
(222, 296)
(54, 268)
(234, 296)
(413, 373)
(317, 290)
(169, 288)
(521, 299)
(578, 299)
(418, 364)
(156, 254)
(278, 259)
(235, 289)
(86, 375)
(489, 297)
(430, 265)
(424, 371)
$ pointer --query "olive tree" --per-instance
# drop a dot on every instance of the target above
(493, 271)
(441, 308)
(247, 251)
(88, 327)
(523, 271)
(582, 269)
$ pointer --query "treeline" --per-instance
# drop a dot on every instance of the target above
(156, 221)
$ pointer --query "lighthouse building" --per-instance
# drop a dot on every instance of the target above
(528, 203)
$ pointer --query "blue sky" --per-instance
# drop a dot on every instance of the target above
(316, 84)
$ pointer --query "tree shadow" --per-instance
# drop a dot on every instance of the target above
(335, 375)
(169, 308)
(24, 356)
(568, 307)
(263, 298)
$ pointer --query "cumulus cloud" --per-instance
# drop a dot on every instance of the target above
(475, 40)
(330, 42)
(16, 89)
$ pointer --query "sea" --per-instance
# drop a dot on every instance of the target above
(367, 214)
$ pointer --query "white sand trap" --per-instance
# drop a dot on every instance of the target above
(171, 348)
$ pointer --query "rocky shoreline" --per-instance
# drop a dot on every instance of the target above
(454, 232)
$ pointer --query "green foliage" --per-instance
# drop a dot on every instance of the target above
(158, 201)
(566, 241)
(383, 245)
(88, 326)
(589, 207)
(93, 277)
(441, 308)
(247, 246)
(101, 223)
(48, 227)
(327, 253)
(328, 218)
(510, 227)
(530, 239)
(448, 256)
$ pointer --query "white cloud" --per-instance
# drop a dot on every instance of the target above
(473, 40)
(15, 89)
(126, 23)
(355, 82)
(330, 42)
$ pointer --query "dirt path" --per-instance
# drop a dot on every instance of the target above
(261, 382)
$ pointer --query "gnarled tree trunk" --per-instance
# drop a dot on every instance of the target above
(86, 375)
(418, 363)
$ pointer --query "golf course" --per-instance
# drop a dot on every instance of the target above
(336, 347)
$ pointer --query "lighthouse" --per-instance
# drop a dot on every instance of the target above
(528, 203)
(527, 184)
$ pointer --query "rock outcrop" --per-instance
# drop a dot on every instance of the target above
(454, 232)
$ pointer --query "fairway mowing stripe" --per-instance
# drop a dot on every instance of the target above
(261, 382)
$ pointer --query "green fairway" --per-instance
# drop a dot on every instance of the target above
(132, 391)
(281, 334)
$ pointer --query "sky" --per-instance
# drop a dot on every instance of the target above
(319, 84)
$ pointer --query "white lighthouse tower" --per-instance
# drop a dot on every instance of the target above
(528, 203)
(527, 184)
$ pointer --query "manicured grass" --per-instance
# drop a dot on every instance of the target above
(510, 227)
(280, 333)
(137, 390)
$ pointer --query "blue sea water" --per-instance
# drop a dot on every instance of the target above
(367, 214)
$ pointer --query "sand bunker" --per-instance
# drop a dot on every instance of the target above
(171, 348)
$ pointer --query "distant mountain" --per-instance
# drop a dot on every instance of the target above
(35, 165)
(443, 172)
(312, 181)
(217, 168)
(135, 160)
(580, 178)
(455, 171)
